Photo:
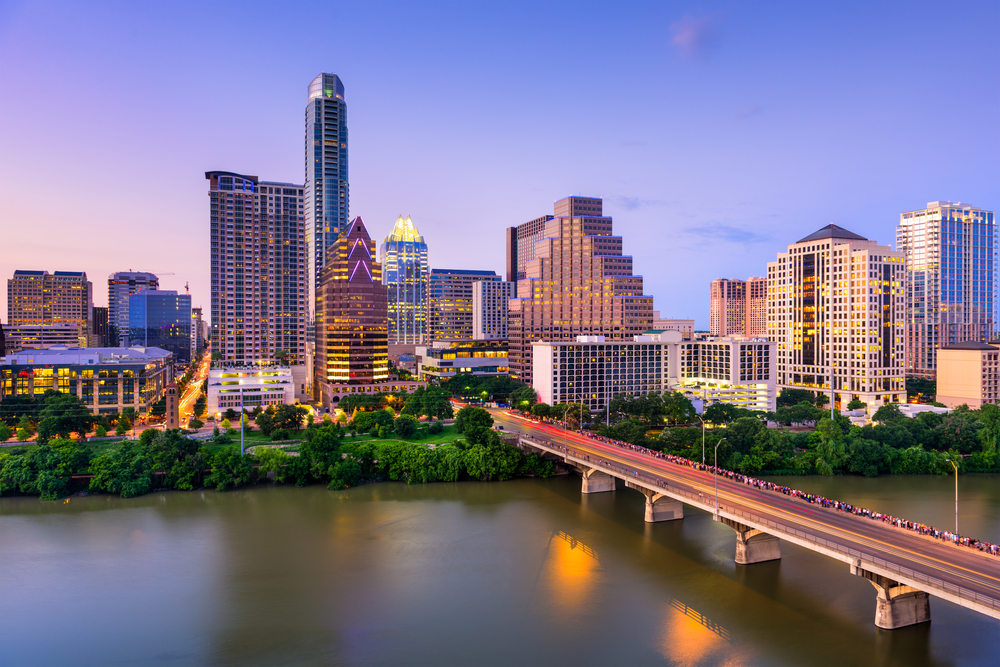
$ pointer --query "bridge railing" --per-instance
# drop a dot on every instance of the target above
(773, 526)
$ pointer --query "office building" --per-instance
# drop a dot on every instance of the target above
(259, 279)
(106, 379)
(685, 327)
(327, 194)
(593, 370)
(161, 318)
(446, 359)
(950, 280)
(99, 327)
(121, 286)
(490, 300)
(3, 341)
(968, 373)
(351, 313)
(578, 283)
(450, 302)
(405, 273)
(738, 307)
(197, 330)
(41, 298)
(237, 387)
(836, 309)
(42, 336)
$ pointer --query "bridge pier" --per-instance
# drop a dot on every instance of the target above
(595, 481)
(897, 605)
(658, 506)
(752, 545)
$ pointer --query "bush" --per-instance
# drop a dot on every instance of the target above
(405, 426)
(195, 424)
(5, 432)
(281, 434)
(101, 432)
(23, 434)
(435, 428)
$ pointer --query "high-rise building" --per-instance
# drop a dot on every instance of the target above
(836, 309)
(63, 297)
(450, 303)
(99, 327)
(578, 283)
(951, 280)
(161, 318)
(351, 310)
(259, 278)
(326, 189)
(121, 286)
(521, 246)
(738, 307)
(405, 273)
(197, 329)
(490, 300)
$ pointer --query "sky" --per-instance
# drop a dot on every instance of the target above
(717, 133)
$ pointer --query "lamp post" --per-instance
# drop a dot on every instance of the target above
(702, 437)
(956, 493)
(716, 466)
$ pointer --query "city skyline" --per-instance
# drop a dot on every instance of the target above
(734, 149)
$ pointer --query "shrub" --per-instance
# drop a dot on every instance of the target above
(435, 428)
(281, 434)
(101, 431)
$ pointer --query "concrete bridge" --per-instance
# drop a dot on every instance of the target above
(905, 568)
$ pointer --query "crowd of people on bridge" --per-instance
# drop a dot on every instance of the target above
(930, 531)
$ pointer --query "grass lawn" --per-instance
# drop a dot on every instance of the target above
(449, 434)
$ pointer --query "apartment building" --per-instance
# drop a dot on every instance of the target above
(451, 302)
(41, 298)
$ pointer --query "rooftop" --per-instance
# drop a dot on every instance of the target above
(832, 231)
(404, 230)
(969, 345)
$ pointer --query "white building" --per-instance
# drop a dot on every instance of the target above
(249, 386)
(444, 359)
(489, 309)
(593, 370)
(835, 304)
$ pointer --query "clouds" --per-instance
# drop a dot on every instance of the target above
(694, 36)
(718, 231)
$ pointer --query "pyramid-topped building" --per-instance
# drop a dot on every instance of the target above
(405, 275)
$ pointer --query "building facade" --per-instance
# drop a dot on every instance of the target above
(197, 330)
(950, 280)
(578, 283)
(738, 307)
(405, 273)
(99, 329)
(42, 336)
(836, 309)
(106, 379)
(968, 373)
(258, 272)
(685, 327)
(737, 370)
(490, 300)
(121, 286)
(450, 302)
(237, 387)
(444, 360)
(62, 297)
(161, 318)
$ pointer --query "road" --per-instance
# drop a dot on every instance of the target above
(958, 566)
(193, 390)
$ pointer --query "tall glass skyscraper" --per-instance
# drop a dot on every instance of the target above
(951, 281)
(161, 318)
(404, 273)
(121, 286)
(326, 201)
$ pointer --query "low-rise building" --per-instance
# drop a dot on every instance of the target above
(42, 336)
(106, 379)
(686, 327)
(249, 386)
(444, 360)
(968, 373)
(593, 370)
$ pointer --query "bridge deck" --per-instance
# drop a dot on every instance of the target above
(961, 575)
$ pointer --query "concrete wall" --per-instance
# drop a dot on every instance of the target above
(960, 377)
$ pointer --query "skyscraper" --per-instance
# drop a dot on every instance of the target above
(351, 309)
(836, 309)
(121, 286)
(259, 278)
(326, 187)
(951, 280)
(99, 327)
(405, 273)
(161, 318)
(738, 307)
(450, 302)
(578, 283)
(41, 298)
(490, 299)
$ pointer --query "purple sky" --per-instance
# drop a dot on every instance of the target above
(717, 133)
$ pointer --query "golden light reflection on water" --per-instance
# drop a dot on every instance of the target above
(691, 639)
(570, 574)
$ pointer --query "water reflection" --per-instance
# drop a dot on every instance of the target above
(690, 638)
(570, 574)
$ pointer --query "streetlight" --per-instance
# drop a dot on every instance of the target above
(716, 466)
(956, 493)
(702, 436)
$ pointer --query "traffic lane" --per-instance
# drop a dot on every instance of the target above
(961, 566)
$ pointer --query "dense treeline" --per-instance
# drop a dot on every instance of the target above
(169, 460)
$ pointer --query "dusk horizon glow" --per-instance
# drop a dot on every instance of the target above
(716, 135)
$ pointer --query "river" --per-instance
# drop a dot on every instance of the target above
(526, 572)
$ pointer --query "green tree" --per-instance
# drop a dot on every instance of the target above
(789, 397)
(888, 413)
(541, 410)
(100, 432)
(272, 462)
(194, 424)
(126, 471)
(856, 404)
(473, 417)
(405, 426)
(5, 432)
(678, 409)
